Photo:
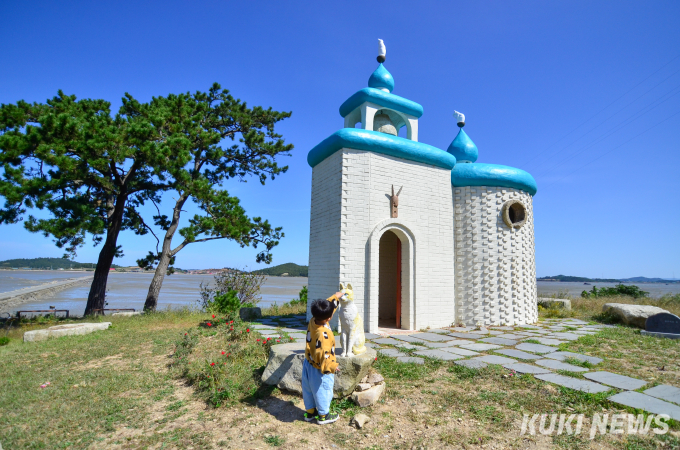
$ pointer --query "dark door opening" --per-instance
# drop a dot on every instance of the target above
(389, 295)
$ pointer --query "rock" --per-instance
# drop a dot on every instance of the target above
(555, 303)
(284, 369)
(635, 315)
(71, 329)
(250, 313)
(369, 397)
(363, 386)
(374, 378)
(360, 420)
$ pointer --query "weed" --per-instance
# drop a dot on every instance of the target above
(4, 340)
(274, 440)
(532, 341)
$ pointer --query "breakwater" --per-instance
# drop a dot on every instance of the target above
(10, 300)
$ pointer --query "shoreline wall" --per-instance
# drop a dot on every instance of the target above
(10, 300)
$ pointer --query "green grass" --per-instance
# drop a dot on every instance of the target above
(274, 441)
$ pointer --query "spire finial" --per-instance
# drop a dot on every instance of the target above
(460, 118)
(382, 51)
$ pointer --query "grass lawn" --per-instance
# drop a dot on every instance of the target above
(129, 387)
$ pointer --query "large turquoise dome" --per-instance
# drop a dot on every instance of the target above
(381, 79)
(463, 148)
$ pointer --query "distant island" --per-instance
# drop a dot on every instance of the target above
(284, 270)
(47, 264)
(565, 278)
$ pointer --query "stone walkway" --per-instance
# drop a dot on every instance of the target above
(508, 347)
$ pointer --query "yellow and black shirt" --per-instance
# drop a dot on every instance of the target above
(320, 345)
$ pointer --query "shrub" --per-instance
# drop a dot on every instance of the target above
(4, 340)
(302, 297)
(245, 286)
(619, 289)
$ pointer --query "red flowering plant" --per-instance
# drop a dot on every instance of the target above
(225, 360)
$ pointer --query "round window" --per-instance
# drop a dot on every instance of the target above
(514, 214)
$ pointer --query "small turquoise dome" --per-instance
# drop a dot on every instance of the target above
(381, 79)
(463, 148)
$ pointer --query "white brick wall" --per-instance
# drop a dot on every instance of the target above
(355, 209)
(495, 266)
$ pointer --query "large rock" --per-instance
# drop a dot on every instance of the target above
(557, 303)
(250, 313)
(369, 397)
(284, 369)
(635, 315)
(70, 329)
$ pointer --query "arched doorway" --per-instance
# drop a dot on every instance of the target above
(390, 281)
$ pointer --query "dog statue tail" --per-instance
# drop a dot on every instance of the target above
(358, 348)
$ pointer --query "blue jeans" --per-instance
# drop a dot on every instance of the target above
(317, 388)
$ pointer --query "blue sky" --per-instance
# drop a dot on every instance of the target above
(584, 95)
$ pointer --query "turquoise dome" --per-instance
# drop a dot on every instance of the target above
(381, 79)
(463, 148)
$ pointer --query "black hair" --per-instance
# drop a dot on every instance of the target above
(322, 309)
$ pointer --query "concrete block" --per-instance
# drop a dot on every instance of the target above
(73, 329)
(650, 404)
(615, 380)
(555, 303)
(573, 383)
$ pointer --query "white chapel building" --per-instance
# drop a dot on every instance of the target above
(458, 246)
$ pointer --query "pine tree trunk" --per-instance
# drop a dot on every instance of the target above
(157, 282)
(166, 255)
(97, 296)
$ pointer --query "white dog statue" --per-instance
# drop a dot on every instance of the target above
(351, 326)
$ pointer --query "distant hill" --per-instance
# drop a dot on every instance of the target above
(47, 263)
(291, 269)
(566, 278)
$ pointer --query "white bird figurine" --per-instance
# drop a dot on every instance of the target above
(382, 51)
(460, 118)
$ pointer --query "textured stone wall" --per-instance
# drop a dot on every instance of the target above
(495, 267)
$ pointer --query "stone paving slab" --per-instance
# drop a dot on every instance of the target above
(576, 321)
(567, 336)
(561, 356)
(557, 327)
(371, 336)
(406, 345)
(494, 359)
(467, 335)
(297, 335)
(293, 330)
(411, 359)
(434, 337)
(462, 329)
(268, 331)
(460, 351)
(446, 356)
(440, 344)
(393, 352)
(506, 328)
(618, 381)
(257, 326)
(387, 341)
(535, 348)
(526, 368)
(531, 327)
(665, 392)
(548, 341)
(371, 345)
(495, 332)
(517, 354)
(558, 365)
(646, 402)
(471, 363)
(480, 347)
(439, 330)
(499, 341)
(582, 333)
(573, 383)
(512, 336)
(407, 338)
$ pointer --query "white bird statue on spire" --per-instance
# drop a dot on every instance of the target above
(460, 118)
(382, 51)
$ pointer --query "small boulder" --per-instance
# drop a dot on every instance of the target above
(368, 397)
(635, 315)
(374, 378)
(71, 329)
(555, 303)
(284, 369)
(250, 313)
(360, 420)
(363, 386)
